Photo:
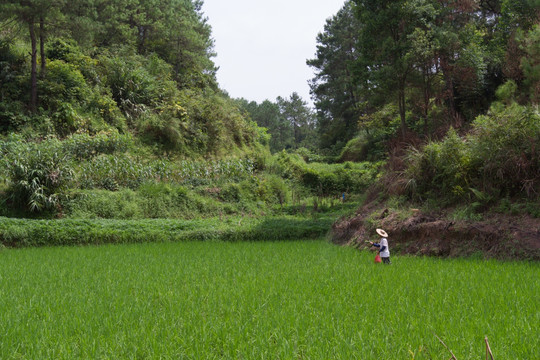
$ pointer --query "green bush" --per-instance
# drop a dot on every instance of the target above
(276, 191)
(230, 193)
(113, 171)
(326, 179)
(63, 82)
(84, 146)
(164, 130)
(137, 84)
(499, 158)
(102, 106)
(12, 116)
(104, 204)
(62, 49)
(38, 175)
(150, 200)
(72, 104)
(12, 87)
(442, 169)
(356, 149)
(505, 149)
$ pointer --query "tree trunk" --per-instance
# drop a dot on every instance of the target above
(401, 102)
(449, 86)
(42, 45)
(33, 73)
(427, 96)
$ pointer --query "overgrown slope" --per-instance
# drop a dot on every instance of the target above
(440, 233)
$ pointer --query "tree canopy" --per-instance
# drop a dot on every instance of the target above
(139, 66)
(439, 63)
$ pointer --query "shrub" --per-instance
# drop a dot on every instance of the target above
(442, 168)
(113, 171)
(84, 146)
(214, 124)
(150, 201)
(63, 82)
(38, 175)
(102, 106)
(165, 130)
(104, 204)
(62, 49)
(137, 84)
(356, 149)
(326, 179)
(230, 193)
(500, 157)
(276, 190)
(505, 148)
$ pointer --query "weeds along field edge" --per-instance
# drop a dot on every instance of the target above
(26, 232)
(294, 299)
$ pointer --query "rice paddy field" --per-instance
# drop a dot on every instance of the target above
(267, 300)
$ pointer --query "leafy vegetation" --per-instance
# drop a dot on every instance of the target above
(106, 176)
(289, 122)
(125, 73)
(498, 159)
(117, 114)
(260, 300)
(119, 96)
(70, 232)
(114, 131)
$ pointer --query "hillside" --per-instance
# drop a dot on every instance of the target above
(127, 68)
(112, 111)
(413, 231)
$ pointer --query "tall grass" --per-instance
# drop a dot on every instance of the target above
(25, 232)
(273, 300)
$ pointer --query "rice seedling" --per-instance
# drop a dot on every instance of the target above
(267, 300)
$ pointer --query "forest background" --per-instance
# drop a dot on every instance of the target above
(112, 110)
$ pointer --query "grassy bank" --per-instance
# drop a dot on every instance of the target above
(25, 232)
(266, 300)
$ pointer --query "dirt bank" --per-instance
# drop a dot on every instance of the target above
(497, 236)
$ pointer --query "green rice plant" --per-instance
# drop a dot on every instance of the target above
(265, 300)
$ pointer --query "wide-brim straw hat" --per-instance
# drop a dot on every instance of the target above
(382, 232)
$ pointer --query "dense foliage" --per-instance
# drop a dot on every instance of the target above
(439, 63)
(289, 122)
(109, 175)
(117, 107)
(136, 66)
(499, 158)
(392, 75)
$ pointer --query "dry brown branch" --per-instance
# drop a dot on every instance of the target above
(442, 342)
(488, 350)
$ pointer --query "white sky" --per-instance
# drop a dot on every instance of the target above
(262, 45)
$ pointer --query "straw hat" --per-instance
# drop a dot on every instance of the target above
(382, 232)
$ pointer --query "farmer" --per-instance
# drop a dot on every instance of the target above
(384, 252)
